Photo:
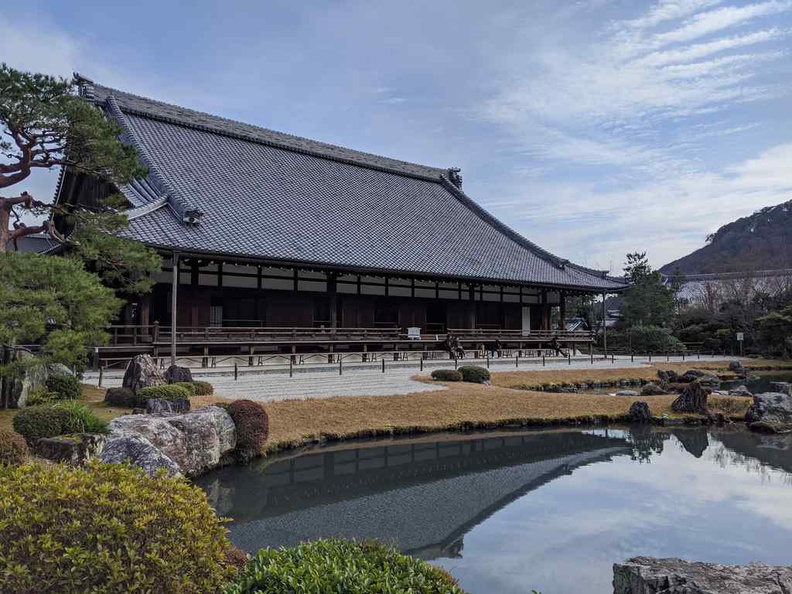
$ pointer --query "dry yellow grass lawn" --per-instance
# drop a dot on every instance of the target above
(460, 406)
(527, 379)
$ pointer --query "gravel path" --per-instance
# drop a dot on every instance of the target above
(325, 382)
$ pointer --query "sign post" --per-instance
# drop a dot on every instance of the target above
(740, 338)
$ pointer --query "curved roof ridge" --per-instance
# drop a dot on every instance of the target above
(174, 197)
(207, 122)
(517, 237)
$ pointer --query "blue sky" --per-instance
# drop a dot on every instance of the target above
(593, 127)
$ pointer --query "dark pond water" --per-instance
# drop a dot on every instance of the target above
(508, 512)
(760, 382)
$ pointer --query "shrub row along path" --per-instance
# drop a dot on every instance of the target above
(315, 382)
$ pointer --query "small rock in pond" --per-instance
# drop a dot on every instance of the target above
(626, 393)
(738, 368)
(782, 387)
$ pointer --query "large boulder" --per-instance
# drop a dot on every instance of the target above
(693, 399)
(161, 406)
(142, 372)
(140, 452)
(640, 413)
(195, 442)
(647, 575)
(771, 412)
(175, 374)
(33, 376)
(701, 376)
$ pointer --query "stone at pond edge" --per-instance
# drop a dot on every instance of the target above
(175, 374)
(195, 442)
(640, 413)
(702, 377)
(693, 399)
(740, 391)
(626, 393)
(667, 376)
(770, 412)
(142, 372)
(71, 449)
(651, 389)
(160, 406)
(140, 452)
(738, 368)
(782, 387)
(647, 575)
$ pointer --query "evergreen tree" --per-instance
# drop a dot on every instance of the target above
(648, 302)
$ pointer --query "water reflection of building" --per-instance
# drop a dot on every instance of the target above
(422, 496)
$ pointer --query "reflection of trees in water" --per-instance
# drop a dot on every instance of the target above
(645, 441)
(766, 456)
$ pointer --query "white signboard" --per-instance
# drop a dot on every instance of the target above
(740, 336)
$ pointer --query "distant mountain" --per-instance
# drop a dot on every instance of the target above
(762, 241)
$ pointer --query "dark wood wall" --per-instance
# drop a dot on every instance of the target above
(270, 308)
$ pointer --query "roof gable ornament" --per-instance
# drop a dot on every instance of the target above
(455, 176)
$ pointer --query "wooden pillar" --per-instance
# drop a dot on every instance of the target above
(562, 313)
(545, 312)
(604, 325)
(332, 293)
(174, 305)
(145, 312)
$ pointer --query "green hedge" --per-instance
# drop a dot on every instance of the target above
(203, 388)
(107, 529)
(36, 422)
(191, 388)
(67, 387)
(341, 567)
(49, 420)
(13, 449)
(474, 374)
(446, 375)
(166, 392)
(252, 425)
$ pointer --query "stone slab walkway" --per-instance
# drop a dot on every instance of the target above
(325, 382)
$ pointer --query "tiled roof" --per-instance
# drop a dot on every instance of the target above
(262, 194)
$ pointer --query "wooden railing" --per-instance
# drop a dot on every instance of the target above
(154, 333)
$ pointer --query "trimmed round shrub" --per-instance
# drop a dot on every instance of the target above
(474, 374)
(341, 566)
(189, 386)
(67, 387)
(81, 419)
(123, 397)
(166, 392)
(106, 529)
(13, 449)
(203, 388)
(446, 375)
(35, 422)
(252, 425)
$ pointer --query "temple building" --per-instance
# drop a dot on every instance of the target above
(271, 231)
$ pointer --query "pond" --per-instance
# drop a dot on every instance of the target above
(758, 382)
(510, 511)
